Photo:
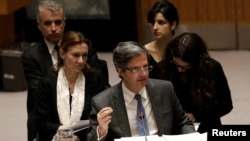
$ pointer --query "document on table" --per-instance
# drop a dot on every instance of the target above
(186, 137)
(141, 138)
(80, 125)
(183, 137)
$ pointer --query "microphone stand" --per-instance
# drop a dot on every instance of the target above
(141, 116)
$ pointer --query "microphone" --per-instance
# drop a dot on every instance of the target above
(141, 116)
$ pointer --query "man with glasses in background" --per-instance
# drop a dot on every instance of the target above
(137, 106)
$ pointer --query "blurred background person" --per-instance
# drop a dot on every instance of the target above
(198, 79)
(38, 59)
(163, 20)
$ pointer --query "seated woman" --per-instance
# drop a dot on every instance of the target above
(64, 96)
(198, 79)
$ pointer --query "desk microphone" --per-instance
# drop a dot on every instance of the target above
(141, 116)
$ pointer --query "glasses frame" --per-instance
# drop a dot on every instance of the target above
(182, 67)
(147, 68)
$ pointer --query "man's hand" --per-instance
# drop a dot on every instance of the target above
(191, 117)
(104, 118)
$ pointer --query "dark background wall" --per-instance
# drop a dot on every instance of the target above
(104, 33)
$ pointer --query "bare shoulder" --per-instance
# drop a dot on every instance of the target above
(150, 46)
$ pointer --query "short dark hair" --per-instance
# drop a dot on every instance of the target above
(125, 51)
(167, 9)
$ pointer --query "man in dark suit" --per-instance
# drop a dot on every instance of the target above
(114, 111)
(39, 59)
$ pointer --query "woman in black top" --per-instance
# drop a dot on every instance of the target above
(198, 79)
(163, 20)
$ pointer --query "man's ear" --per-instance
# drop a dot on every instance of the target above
(38, 25)
(120, 71)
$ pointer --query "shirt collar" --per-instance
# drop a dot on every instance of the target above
(129, 95)
(51, 45)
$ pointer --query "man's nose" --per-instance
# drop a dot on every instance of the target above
(53, 26)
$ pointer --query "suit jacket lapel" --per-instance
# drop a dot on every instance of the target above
(120, 111)
(45, 52)
(155, 97)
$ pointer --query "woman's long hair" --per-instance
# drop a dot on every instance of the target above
(191, 48)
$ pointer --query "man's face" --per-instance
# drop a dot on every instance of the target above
(51, 24)
(136, 80)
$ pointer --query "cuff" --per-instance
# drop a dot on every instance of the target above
(98, 136)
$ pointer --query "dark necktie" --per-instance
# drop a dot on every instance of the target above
(142, 122)
(57, 51)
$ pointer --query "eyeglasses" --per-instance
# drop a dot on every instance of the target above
(137, 70)
(182, 67)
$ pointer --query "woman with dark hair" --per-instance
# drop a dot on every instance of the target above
(163, 20)
(64, 96)
(198, 79)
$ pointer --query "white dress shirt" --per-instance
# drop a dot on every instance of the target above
(131, 107)
(52, 51)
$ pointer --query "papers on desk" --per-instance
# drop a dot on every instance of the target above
(141, 138)
(183, 137)
(79, 125)
(186, 137)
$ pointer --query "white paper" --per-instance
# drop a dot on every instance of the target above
(79, 125)
(183, 137)
(186, 137)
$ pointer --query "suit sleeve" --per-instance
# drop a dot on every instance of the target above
(32, 75)
(45, 108)
(182, 124)
(31, 71)
(92, 133)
